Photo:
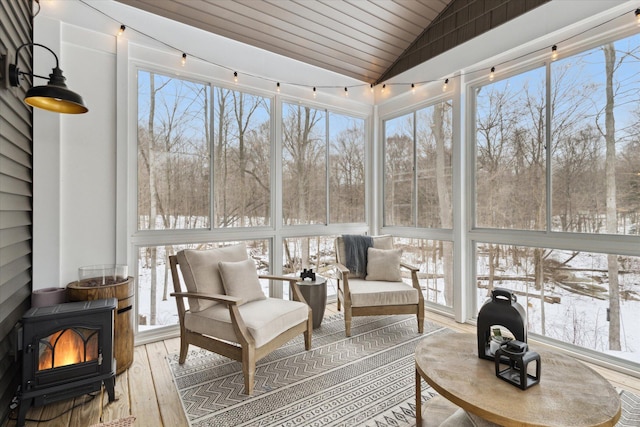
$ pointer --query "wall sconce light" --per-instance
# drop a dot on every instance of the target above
(54, 96)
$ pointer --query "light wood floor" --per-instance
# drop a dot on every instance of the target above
(147, 392)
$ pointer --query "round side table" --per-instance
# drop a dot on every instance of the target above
(315, 293)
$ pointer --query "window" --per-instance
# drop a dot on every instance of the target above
(242, 159)
(173, 153)
(322, 161)
(596, 140)
(510, 155)
(417, 168)
(567, 294)
(434, 259)
(205, 164)
(556, 150)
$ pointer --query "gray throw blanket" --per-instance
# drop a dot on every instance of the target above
(355, 252)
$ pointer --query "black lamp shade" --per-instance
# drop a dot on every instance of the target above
(55, 98)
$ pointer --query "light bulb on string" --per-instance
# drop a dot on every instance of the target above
(371, 86)
(492, 74)
(278, 87)
(413, 88)
(314, 91)
(235, 77)
(121, 30)
(183, 61)
(637, 12)
(554, 52)
(445, 85)
(346, 91)
(384, 87)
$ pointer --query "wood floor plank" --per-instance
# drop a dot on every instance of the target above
(120, 408)
(142, 394)
(86, 411)
(172, 345)
(166, 391)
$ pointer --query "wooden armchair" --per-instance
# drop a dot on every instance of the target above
(379, 290)
(228, 312)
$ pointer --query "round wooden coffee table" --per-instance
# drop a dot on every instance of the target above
(569, 393)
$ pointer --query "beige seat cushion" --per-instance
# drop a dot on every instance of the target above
(384, 264)
(240, 280)
(379, 242)
(201, 272)
(265, 319)
(365, 293)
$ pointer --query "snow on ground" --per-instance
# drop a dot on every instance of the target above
(578, 319)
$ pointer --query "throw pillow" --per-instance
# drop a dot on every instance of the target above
(240, 280)
(384, 264)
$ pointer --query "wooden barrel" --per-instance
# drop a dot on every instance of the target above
(124, 292)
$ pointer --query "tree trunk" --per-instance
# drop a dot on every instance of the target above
(610, 179)
(444, 200)
(152, 199)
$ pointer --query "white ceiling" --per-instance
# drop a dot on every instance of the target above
(356, 38)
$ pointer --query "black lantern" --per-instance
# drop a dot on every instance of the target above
(501, 310)
(519, 357)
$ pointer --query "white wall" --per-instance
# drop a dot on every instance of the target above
(77, 179)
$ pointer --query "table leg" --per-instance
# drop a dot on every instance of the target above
(418, 400)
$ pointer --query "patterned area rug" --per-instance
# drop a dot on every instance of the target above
(365, 380)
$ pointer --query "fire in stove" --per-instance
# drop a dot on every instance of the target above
(68, 347)
(67, 350)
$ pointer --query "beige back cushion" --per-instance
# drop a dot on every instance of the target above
(379, 242)
(240, 279)
(201, 272)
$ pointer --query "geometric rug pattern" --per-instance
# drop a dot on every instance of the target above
(367, 379)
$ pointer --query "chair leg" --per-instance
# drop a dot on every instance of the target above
(347, 322)
(248, 369)
(184, 348)
(421, 322)
(308, 334)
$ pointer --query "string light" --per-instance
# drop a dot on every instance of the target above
(371, 85)
(445, 85)
(184, 59)
(346, 91)
(314, 92)
(554, 52)
(413, 88)
(278, 87)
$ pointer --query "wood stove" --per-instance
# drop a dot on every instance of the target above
(67, 350)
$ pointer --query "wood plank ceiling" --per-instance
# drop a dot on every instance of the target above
(356, 38)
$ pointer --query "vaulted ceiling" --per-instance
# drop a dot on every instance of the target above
(365, 39)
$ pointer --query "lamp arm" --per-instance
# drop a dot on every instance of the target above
(35, 44)
(15, 73)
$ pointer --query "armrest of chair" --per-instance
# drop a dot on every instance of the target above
(414, 276)
(224, 299)
(343, 274)
(409, 267)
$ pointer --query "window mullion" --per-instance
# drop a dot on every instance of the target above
(547, 147)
